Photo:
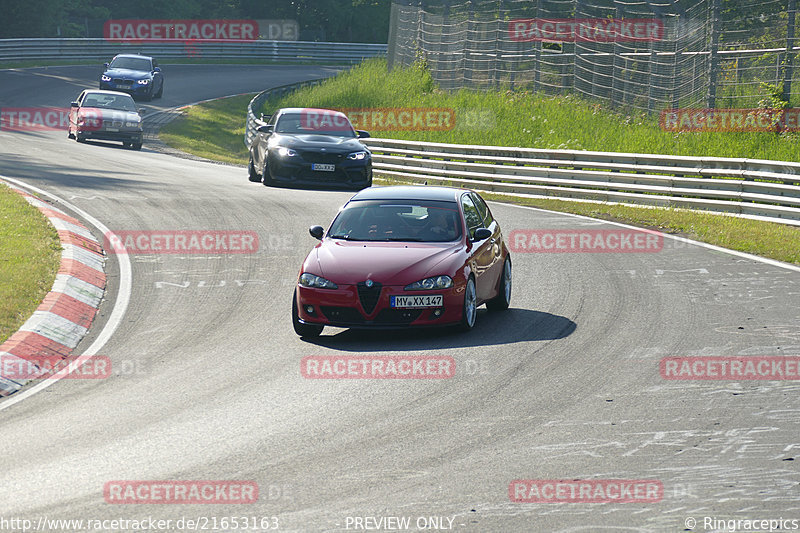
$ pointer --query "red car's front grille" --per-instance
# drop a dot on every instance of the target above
(369, 296)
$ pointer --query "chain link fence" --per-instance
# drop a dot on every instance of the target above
(648, 55)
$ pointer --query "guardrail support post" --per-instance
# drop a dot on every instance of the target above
(469, 39)
(790, 44)
(392, 44)
(497, 44)
(653, 73)
(537, 56)
(447, 75)
(616, 71)
(711, 100)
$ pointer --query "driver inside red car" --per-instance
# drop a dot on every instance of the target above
(440, 226)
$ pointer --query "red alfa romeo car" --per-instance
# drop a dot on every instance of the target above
(404, 257)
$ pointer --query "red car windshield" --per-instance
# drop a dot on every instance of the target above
(397, 220)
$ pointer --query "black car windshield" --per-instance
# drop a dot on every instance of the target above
(315, 121)
(397, 220)
(131, 63)
(122, 102)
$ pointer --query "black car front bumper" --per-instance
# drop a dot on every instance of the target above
(299, 170)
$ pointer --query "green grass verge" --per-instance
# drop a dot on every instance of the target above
(215, 130)
(522, 118)
(30, 253)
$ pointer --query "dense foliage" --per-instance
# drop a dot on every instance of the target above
(328, 20)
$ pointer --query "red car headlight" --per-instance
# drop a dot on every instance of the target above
(317, 282)
(432, 283)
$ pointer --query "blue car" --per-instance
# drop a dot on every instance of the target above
(139, 76)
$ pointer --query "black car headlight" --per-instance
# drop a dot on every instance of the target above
(432, 283)
(317, 282)
(105, 78)
(357, 156)
(286, 152)
(142, 82)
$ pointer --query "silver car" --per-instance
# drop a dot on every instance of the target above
(107, 116)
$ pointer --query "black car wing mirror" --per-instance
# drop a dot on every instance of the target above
(156, 69)
(267, 128)
(362, 134)
(74, 104)
(105, 65)
(316, 232)
(482, 234)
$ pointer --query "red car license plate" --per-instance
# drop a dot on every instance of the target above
(412, 302)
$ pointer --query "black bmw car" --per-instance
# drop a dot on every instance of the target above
(307, 146)
(139, 76)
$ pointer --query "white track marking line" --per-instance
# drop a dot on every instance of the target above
(120, 306)
(744, 255)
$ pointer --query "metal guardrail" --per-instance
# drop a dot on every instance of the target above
(753, 188)
(747, 187)
(102, 49)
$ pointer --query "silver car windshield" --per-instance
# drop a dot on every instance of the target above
(121, 102)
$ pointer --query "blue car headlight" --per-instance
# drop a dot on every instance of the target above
(286, 152)
(432, 283)
(357, 156)
(142, 82)
(317, 282)
(103, 77)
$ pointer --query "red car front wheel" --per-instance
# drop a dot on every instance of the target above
(470, 310)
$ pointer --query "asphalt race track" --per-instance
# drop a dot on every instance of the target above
(563, 386)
